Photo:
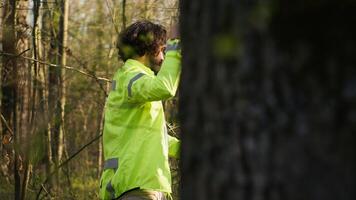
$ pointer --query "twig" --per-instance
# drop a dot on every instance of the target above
(112, 16)
(6, 124)
(42, 186)
(171, 128)
(91, 72)
(54, 65)
(20, 54)
(5, 139)
(66, 162)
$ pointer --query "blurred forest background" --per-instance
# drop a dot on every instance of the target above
(57, 58)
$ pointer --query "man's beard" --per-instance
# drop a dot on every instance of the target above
(155, 64)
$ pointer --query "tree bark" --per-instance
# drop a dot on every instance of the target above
(267, 100)
(15, 84)
(31, 100)
(9, 86)
(24, 100)
(100, 53)
(62, 57)
(47, 96)
(56, 81)
(123, 14)
(100, 147)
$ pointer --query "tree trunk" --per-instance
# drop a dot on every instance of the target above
(24, 74)
(56, 84)
(1, 66)
(26, 179)
(267, 100)
(62, 38)
(100, 149)
(47, 99)
(9, 87)
(100, 53)
(15, 84)
(8, 70)
(123, 14)
(24, 99)
(31, 100)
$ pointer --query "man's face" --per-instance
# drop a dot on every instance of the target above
(157, 60)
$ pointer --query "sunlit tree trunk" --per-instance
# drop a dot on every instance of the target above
(102, 61)
(62, 57)
(268, 100)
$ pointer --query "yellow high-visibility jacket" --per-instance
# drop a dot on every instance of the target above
(135, 140)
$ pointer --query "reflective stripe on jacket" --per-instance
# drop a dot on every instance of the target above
(135, 140)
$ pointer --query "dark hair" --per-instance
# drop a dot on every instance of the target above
(140, 38)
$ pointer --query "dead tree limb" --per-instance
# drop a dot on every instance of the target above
(54, 65)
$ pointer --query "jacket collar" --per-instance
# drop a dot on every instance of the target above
(135, 63)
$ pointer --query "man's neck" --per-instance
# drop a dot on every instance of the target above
(143, 60)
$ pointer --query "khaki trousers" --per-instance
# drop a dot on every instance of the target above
(140, 194)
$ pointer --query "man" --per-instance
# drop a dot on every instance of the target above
(136, 143)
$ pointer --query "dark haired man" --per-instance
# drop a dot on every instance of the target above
(136, 143)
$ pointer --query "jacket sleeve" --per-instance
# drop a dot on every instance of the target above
(144, 88)
(174, 147)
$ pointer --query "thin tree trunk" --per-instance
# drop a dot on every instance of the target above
(62, 37)
(47, 100)
(32, 103)
(24, 73)
(100, 149)
(123, 16)
(54, 105)
(26, 179)
(24, 99)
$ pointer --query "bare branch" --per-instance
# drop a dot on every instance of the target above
(112, 16)
(54, 65)
(6, 124)
(43, 187)
(66, 162)
(172, 128)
